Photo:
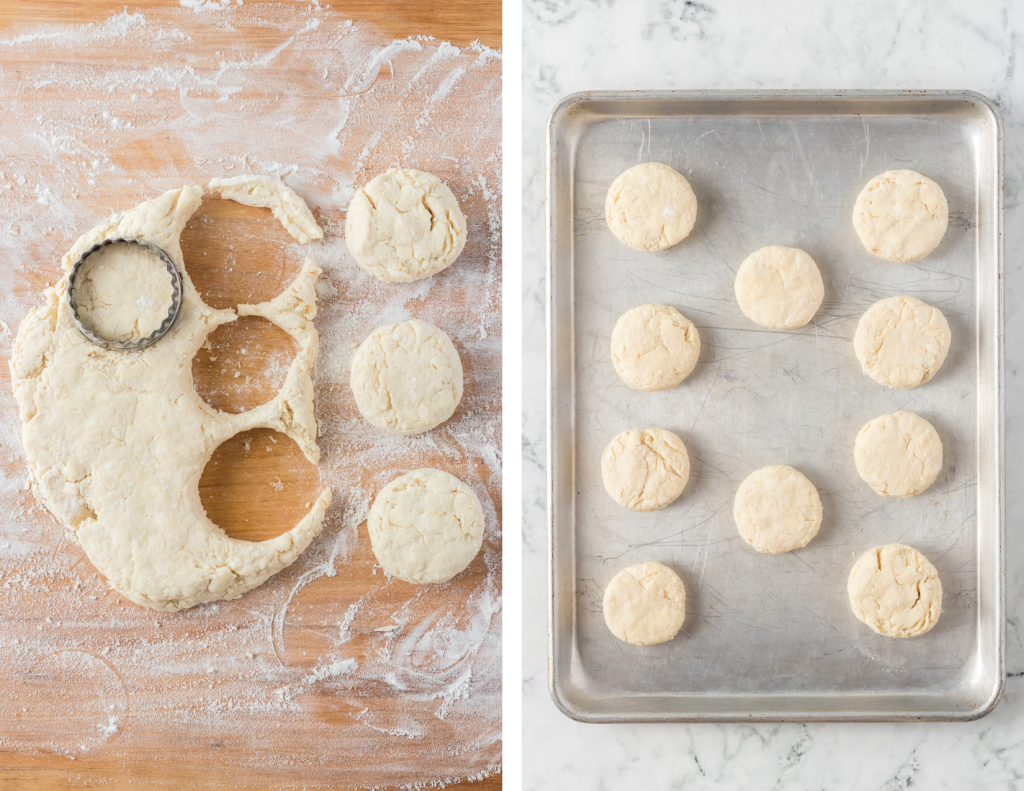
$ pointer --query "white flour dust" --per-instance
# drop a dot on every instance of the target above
(329, 674)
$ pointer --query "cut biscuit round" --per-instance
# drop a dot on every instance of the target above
(779, 287)
(777, 510)
(898, 455)
(425, 527)
(650, 207)
(901, 216)
(645, 470)
(902, 342)
(654, 347)
(405, 225)
(407, 377)
(896, 591)
(645, 604)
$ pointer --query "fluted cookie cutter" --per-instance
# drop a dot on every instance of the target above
(165, 325)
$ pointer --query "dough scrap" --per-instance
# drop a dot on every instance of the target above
(898, 455)
(116, 442)
(645, 470)
(407, 377)
(645, 604)
(654, 347)
(901, 216)
(901, 342)
(425, 526)
(650, 207)
(267, 192)
(896, 591)
(779, 287)
(777, 510)
(405, 225)
(123, 292)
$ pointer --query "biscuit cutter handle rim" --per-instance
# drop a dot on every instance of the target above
(165, 325)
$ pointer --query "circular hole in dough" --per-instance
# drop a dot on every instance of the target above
(242, 364)
(901, 342)
(645, 470)
(405, 225)
(779, 287)
(901, 216)
(258, 485)
(407, 377)
(898, 455)
(650, 207)
(645, 604)
(123, 292)
(654, 347)
(896, 591)
(238, 254)
(425, 526)
(777, 510)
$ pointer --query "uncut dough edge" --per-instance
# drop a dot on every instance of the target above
(116, 443)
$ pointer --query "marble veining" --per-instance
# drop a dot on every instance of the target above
(572, 45)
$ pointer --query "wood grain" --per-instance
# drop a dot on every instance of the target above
(238, 254)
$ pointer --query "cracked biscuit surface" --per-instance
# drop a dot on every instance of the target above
(777, 510)
(407, 377)
(898, 455)
(901, 216)
(645, 470)
(779, 287)
(902, 342)
(650, 207)
(654, 347)
(405, 225)
(645, 604)
(116, 442)
(896, 591)
(425, 526)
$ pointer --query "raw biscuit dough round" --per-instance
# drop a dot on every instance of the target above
(779, 287)
(654, 347)
(116, 442)
(650, 207)
(896, 591)
(645, 470)
(901, 216)
(901, 342)
(898, 455)
(405, 225)
(407, 377)
(425, 526)
(123, 292)
(645, 604)
(777, 510)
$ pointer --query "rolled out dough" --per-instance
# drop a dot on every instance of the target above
(116, 442)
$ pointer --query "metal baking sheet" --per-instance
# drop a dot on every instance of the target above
(772, 637)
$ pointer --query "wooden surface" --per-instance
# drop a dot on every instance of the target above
(278, 482)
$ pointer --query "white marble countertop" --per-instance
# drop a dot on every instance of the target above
(573, 45)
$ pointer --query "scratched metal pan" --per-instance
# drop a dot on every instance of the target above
(772, 637)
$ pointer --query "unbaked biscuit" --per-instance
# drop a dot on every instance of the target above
(407, 377)
(901, 216)
(650, 207)
(898, 455)
(425, 526)
(405, 225)
(777, 510)
(654, 347)
(645, 604)
(896, 591)
(901, 342)
(645, 470)
(779, 287)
